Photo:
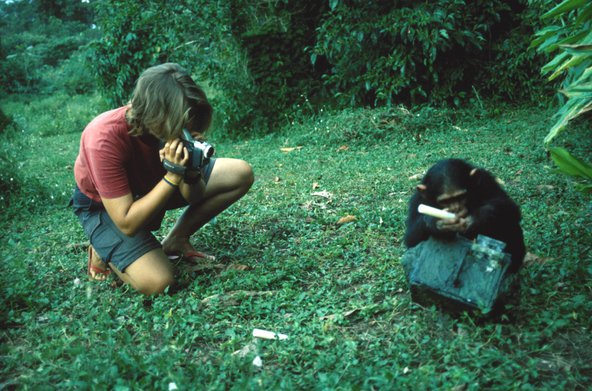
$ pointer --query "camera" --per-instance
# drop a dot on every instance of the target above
(199, 155)
(199, 152)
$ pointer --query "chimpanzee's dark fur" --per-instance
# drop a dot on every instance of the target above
(494, 213)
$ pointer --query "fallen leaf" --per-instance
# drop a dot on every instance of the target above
(343, 148)
(345, 314)
(415, 177)
(247, 349)
(531, 258)
(77, 247)
(315, 185)
(324, 194)
(346, 219)
(238, 266)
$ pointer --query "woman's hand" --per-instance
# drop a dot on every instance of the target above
(176, 153)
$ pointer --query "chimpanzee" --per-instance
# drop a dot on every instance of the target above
(480, 204)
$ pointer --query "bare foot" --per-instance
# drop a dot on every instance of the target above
(97, 269)
(183, 249)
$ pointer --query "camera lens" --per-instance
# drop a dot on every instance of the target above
(209, 151)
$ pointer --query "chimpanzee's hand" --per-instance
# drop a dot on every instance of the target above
(458, 224)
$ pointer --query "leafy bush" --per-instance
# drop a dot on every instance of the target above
(18, 72)
(270, 40)
(32, 43)
(251, 53)
(5, 120)
(263, 59)
(134, 37)
(70, 76)
(381, 53)
(510, 62)
(569, 38)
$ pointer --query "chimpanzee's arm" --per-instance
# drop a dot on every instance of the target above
(493, 215)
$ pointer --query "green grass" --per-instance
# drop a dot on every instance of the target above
(338, 291)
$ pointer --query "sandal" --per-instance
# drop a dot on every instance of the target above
(198, 254)
(95, 272)
(189, 255)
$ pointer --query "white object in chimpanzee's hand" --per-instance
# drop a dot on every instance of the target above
(435, 212)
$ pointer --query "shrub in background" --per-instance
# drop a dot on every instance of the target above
(509, 62)
(5, 120)
(277, 72)
(36, 36)
(408, 51)
(133, 37)
(262, 58)
(251, 53)
(70, 76)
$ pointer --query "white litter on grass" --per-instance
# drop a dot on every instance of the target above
(258, 362)
(77, 282)
(250, 348)
(265, 334)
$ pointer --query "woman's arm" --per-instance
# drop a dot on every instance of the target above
(129, 215)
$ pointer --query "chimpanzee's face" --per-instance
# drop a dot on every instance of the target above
(454, 201)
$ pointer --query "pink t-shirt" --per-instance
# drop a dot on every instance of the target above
(111, 163)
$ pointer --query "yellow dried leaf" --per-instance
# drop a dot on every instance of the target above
(346, 219)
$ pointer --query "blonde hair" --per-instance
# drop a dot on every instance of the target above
(166, 100)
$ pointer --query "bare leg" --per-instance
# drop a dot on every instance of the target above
(150, 274)
(229, 181)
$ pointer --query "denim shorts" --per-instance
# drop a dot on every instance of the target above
(109, 242)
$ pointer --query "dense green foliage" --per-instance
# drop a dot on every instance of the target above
(434, 51)
(135, 36)
(252, 53)
(286, 264)
(39, 43)
(568, 36)
(265, 58)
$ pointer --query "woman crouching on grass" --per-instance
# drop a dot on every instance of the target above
(123, 190)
